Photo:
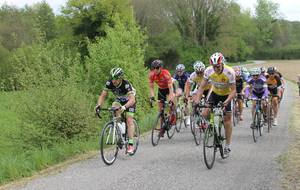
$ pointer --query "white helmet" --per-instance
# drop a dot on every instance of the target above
(116, 73)
(255, 71)
(217, 59)
(199, 66)
(180, 67)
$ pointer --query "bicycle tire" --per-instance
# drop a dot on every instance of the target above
(109, 144)
(234, 113)
(269, 117)
(179, 119)
(221, 139)
(171, 128)
(198, 131)
(136, 137)
(259, 124)
(155, 134)
(209, 146)
(255, 129)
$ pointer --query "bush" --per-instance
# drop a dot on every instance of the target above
(55, 115)
(292, 52)
(122, 47)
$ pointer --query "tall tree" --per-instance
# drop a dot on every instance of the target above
(266, 13)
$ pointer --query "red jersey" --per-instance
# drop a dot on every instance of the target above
(162, 80)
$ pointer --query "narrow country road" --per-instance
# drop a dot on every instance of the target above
(178, 164)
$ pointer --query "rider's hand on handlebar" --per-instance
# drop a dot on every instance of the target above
(97, 109)
(151, 100)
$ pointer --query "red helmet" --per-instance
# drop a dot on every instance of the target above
(217, 59)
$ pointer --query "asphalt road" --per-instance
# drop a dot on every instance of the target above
(178, 164)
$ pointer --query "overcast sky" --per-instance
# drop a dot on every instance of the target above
(289, 9)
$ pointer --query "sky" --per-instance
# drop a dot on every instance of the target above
(289, 9)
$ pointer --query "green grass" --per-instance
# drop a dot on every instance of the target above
(16, 163)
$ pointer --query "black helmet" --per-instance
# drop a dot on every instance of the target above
(156, 63)
(271, 70)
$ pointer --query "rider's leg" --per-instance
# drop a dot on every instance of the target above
(275, 108)
(240, 105)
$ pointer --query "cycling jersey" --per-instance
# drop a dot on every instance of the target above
(122, 91)
(273, 84)
(195, 79)
(221, 82)
(163, 79)
(258, 87)
(182, 79)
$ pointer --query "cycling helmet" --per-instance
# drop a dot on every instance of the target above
(116, 73)
(275, 69)
(271, 70)
(255, 71)
(262, 69)
(217, 59)
(199, 66)
(156, 63)
(237, 73)
(180, 67)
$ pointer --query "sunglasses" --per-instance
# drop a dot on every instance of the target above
(199, 72)
(216, 66)
(156, 67)
(255, 75)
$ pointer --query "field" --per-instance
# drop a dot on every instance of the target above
(290, 69)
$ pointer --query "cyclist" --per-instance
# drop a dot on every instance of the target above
(263, 71)
(257, 89)
(222, 78)
(273, 82)
(195, 79)
(282, 87)
(239, 90)
(163, 79)
(125, 100)
(181, 76)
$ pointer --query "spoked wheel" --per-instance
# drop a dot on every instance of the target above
(256, 130)
(172, 128)
(136, 136)
(221, 140)
(234, 114)
(156, 128)
(269, 117)
(209, 146)
(179, 118)
(198, 128)
(109, 141)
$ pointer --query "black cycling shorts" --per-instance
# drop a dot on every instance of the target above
(163, 93)
(214, 99)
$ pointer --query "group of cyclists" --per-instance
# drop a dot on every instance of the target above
(214, 84)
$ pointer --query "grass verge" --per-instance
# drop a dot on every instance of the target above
(290, 161)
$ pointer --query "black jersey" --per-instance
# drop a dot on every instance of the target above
(122, 91)
(239, 85)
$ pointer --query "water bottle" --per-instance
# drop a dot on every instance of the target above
(122, 127)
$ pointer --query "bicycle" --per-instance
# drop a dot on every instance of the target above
(270, 112)
(214, 135)
(112, 139)
(257, 127)
(181, 114)
(163, 123)
(235, 112)
(198, 123)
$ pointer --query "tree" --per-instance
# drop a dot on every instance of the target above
(265, 14)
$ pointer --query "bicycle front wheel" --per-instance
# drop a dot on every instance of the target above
(109, 140)
(156, 129)
(198, 128)
(209, 146)
(255, 129)
(269, 117)
(136, 136)
(179, 118)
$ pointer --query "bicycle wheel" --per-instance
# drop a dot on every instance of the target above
(136, 136)
(209, 146)
(171, 128)
(179, 118)
(234, 114)
(155, 135)
(198, 129)
(269, 117)
(255, 130)
(259, 124)
(221, 139)
(109, 140)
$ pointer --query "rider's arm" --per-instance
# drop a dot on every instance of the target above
(231, 95)
(201, 89)
(131, 100)
(151, 86)
(102, 97)
(187, 88)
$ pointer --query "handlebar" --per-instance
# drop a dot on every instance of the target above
(112, 109)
